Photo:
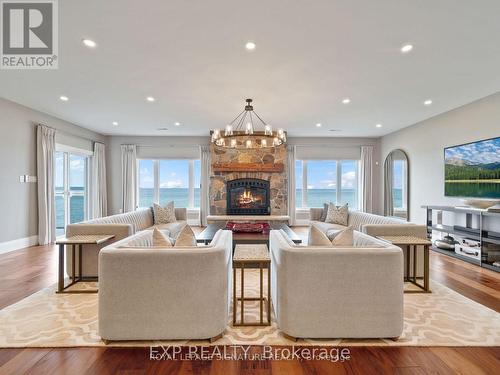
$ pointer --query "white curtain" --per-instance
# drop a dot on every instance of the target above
(388, 203)
(99, 201)
(366, 178)
(290, 166)
(129, 177)
(45, 151)
(205, 160)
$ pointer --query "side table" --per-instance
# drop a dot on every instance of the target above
(412, 243)
(75, 241)
(245, 255)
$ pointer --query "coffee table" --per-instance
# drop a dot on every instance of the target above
(208, 234)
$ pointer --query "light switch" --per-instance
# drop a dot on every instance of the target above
(21, 179)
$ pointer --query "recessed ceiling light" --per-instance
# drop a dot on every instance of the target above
(250, 46)
(177, 124)
(428, 102)
(115, 123)
(64, 98)
(89, 43)
(346, 101)
(406, 48)
(318, 125)
(378, 125)
(150, 99)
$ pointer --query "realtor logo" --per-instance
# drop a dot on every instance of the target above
(28, 34)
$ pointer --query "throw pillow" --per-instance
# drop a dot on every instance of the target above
(337, 215)
(344, 238)
(164, 215)
(186, 237)
(324, 212)
(160, 240)
(317, 237)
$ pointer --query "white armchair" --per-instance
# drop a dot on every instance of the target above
(327, 292)
(165, 294)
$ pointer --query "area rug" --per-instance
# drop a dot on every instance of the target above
(442, 318)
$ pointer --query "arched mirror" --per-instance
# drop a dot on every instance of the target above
(396, 185)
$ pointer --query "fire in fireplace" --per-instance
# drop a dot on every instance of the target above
(248, 196)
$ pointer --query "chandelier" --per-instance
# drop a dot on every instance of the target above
(242, 133)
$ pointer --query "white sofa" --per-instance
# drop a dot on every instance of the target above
(375, 226)
(327, 292)
(164, 294)
(121, 226)
(356, 219)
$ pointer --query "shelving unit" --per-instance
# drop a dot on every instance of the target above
(477, 227)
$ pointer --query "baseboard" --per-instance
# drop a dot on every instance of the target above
(20, 243)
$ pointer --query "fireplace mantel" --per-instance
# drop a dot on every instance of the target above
(248, 167)
(248, 217)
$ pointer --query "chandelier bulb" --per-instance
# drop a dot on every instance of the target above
(249, 143)
(249, 128)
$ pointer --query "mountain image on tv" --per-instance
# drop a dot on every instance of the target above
(473, 170)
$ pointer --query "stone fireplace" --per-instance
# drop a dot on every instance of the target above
(250, 164)
(247, 196)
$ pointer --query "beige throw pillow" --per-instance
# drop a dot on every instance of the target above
(186, 237)
(317, 237)
(337, 215)
(160, 240)
(344, 238)
(164, 215)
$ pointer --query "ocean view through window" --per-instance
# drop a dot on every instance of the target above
(164, 180)
(70, 189)
(323, 181)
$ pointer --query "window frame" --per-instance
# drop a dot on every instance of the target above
(338, 189)
(156, 180)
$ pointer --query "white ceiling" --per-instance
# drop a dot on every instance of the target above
(190, 55)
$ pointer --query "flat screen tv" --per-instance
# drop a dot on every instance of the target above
(472, 170)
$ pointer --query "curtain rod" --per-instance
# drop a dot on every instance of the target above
(329, 145)
(70, 134)
(170, 146)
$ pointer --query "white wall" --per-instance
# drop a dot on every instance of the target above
(425, 142)
(18, 201)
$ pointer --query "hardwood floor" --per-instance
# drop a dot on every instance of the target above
(26, 271)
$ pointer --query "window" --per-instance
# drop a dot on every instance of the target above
(165, 180)
(322, 181)
(146, 183)
(70, 189)
(398, 184)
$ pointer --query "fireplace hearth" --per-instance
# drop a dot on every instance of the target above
(248, 196)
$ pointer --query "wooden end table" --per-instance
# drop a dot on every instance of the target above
(252, 254)
(412, 243)
(74, 241)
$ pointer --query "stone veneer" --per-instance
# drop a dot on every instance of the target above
(278, 181)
